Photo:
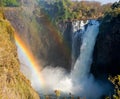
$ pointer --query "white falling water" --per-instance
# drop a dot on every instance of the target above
(78, 30)
(82, 65)
(80, 82)
(83, 81)
(78, 25)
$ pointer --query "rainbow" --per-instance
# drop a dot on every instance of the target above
(36, 68)
(32, 60)
(57, 37)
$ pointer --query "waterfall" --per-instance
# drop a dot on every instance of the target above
(78, 30)
(80, 82)
(82, 65)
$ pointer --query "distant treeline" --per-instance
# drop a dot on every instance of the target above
(66, 9)
(9, 3)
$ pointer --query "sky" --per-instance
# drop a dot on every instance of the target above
(102, 1)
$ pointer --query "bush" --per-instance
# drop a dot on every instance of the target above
(10, 3)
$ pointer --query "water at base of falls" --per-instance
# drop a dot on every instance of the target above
(80, 82)
(83, 62)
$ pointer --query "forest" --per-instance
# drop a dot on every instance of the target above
(62, 10)
(10, 3)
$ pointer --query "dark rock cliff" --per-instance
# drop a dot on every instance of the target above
(106, 56)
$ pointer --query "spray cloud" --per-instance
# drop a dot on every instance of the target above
(80, 82)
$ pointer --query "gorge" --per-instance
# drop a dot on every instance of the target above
(75, 53)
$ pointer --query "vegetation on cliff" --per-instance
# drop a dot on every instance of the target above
(13, 84)
(35, 28)
(116, 81)
(66, 9)
(9, 3)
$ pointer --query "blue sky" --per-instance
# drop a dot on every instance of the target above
(102, 1)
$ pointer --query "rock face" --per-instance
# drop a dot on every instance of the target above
(106, 57)
(40, 35)
(68, 35)
(13, 85)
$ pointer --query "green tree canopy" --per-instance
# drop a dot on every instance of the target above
(66, 9)
(12, 3)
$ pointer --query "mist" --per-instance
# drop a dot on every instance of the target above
(79, 82)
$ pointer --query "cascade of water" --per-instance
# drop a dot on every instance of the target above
(78, 30)
(83, 82)
(80, 81)
(82, 65)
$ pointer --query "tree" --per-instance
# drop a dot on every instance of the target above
(116, 5)
(12, 3)
(1, 3)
